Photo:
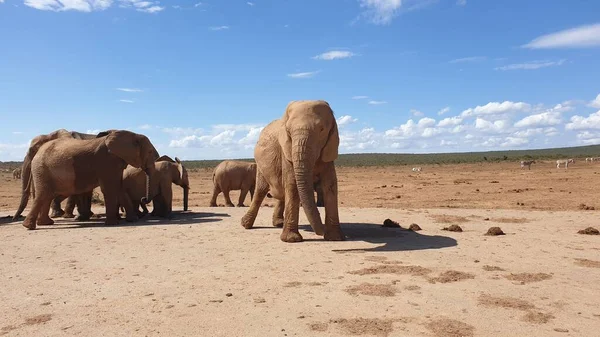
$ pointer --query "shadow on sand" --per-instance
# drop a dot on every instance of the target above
(179, 218)
(391, 239)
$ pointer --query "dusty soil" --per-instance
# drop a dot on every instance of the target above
(202, 274)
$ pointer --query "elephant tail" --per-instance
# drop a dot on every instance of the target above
(28, 188)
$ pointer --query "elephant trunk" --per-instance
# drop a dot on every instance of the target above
(146, 199)
(25, 187)
(303, 172)
(186, 191)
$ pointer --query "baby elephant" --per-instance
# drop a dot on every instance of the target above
(17, 173)
(233, 175)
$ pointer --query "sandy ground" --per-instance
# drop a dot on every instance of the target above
(202, 274)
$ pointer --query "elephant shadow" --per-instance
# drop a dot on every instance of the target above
(391, 239)
(179, 218)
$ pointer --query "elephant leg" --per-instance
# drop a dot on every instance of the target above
(41, 198)
(291, 205)
(130, 211)
(112, 198)
(56, 209)
(84, 206)
(319, 190)
(251, 193)
(216, 191)
(43, 217)
(262, 188)
(243, 194)
(333, 231)
(70, 206)
(227, 199)
(166, 190)
(278, 213)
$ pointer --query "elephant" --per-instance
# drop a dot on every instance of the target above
(17, 173)
(34, 147)
(291, 154)
(232, 175)
(67, 166)
(159, 191)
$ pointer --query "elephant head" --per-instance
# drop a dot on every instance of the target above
(180, 178)
(309, 135)
(133, 148)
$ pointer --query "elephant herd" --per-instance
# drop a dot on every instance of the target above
(294, 157)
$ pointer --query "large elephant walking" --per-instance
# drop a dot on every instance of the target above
(292, 153)
(68, 166)
(232, 175)
(34, 146)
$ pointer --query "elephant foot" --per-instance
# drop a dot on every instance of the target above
(241, 205)
(230, 205)
(29, 224)
(213, 204)
(278, 223)
(291, 236)
(68, 215)
(83, 217)
(247, 221)
(334, 234)
(131, 218)
(45, 222)
(57, 213)
(111, 222)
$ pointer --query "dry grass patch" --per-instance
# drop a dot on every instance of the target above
(320, 327)
(446, 327)
(293, 284)
(528, 277)
(445, 218)
(369, 289)
(587, 263)
(365, 326)
(510, 220)
(589, 231)
(451, 276)
(492, 268)
(39, 319)
(505, 302)
(392, 269)
(537, 317)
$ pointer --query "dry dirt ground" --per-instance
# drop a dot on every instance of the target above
(202, 274)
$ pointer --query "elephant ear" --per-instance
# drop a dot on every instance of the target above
(330, 150)
(165, 158)
(126, 146)
(180, 168)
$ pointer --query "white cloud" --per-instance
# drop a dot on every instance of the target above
(377, 102)
(93, 131)
(229, 138)
(450, 121)
(584, 123)
(426, 122)
(179, 131)
(69, 5)
(198, 4)
(126, 101)
(461, 2)
(444, 142)
(217, 28)
(416, 113)
(514, 142)
(345, 120)
(250, 3)
(468, 59)
(443, 111)
(500, 126)
(595, 103)
(130, 90)
(145, 127)
(495, 108)
(380, 12)
(334, 55)
(307, 74)
(360, 97)
(531, 65)
(548, 118)
(578, 37)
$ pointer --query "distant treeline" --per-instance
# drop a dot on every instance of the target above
(392, 159)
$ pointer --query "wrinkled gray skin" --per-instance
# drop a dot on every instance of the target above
(34, 147)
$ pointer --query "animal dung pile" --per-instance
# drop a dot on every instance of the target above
(414, 227)
(494, 231)
(391, 223)
(589, 231)
(453, 228)
(585, 207)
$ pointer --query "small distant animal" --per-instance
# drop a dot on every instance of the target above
(416, 169)
(565, 162)
(589, 159)
(17, 173)
(527, 163)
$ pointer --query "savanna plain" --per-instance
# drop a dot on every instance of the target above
(202, 274)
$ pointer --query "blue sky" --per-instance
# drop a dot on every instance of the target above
(202, 78)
